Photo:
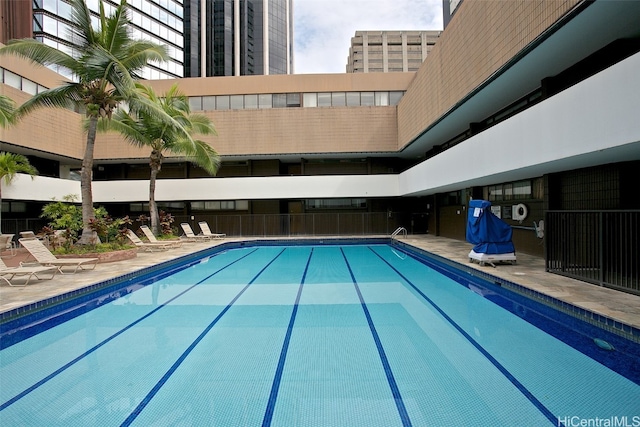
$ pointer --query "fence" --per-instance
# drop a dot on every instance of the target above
(304, 224)
(265, 225)
(601, 247)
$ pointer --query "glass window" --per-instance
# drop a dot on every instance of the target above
(41, 88)
(353, 99)
(50, 5)
(29, 86)
(208, 103)
(293, 100)
(367, 99)
(338, 99)
(242, 205)
(522, 189)
(250, 102)
(395, 97)
(228, 205)
(222, 102)
(236, 102)
(324, 99)
(310, 100)
(265, 100)
(49, 25)
(212, 206)
(12, 79)
(382, 98)
(279, 100)
(195, 103)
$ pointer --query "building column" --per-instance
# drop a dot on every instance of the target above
(203, 38)
(265, 37)
(236, 38)
(405, 53)
(385, 53)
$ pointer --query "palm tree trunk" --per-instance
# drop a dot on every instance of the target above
(153, 208)
(86, 176)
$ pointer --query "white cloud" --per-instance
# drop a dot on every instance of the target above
(323, 28)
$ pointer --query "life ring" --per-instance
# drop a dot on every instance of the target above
(520, 212)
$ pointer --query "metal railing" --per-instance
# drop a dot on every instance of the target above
(399, 230)
(263, 225)
(600, 247)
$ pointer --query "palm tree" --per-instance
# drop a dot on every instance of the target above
(145, 130)
(7, 110)
(10, 165)
(104, 69)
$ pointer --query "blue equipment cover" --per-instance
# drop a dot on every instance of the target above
(490, 234)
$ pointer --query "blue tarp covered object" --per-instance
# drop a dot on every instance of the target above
(490, 234)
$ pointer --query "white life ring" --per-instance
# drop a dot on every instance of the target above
(521, 212)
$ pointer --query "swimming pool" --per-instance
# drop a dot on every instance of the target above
(324, 335)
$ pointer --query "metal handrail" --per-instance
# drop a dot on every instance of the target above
(398, 231)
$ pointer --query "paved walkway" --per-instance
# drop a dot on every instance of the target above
(528, 272)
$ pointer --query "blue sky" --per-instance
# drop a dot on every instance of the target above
(323, 28)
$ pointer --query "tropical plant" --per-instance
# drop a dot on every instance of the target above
(7, 110)
(10, 165)
(67, 215)
(145, 130)
(104, 66)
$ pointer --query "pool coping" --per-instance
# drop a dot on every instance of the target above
(86, 292)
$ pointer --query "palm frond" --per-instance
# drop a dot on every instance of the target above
(65, 96)
(198, 152)
(202, 125)
(114, 28)
(82, 30)
(39, 53)
(7, 111)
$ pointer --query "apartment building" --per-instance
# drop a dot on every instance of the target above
(389, 51)
(520, 103)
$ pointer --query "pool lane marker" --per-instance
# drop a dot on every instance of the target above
(275, 386)
(529, 395)
(110, 338)
(402, 410)
(145, 401)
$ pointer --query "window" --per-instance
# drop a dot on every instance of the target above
(353, 99)
(195, 103)
(324, 100)
(336, 203)
(208, 103)
(265, 100)
(310, 99)
(251, 101)
(338, 99)
(236, 102)
(223, 102)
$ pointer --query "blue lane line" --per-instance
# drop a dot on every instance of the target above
(275, 386)
(539, 405)
(189, 349)
(110, 338)
(402, 410)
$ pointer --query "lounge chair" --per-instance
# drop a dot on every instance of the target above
(152, 238)
(44, 256)
(8, 273)
(206, 231)
(189, 235)
(146, 246)
(6, 243)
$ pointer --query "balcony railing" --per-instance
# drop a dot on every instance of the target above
(600, 247)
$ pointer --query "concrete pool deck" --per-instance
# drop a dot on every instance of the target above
(528, 272)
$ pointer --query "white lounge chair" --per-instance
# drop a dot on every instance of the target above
(8, 273)
(146, 246)
(206, 231)
(152, 238)
(190, 235)
(6, 243)
(44, 256)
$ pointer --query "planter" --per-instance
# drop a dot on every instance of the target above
(106, 256)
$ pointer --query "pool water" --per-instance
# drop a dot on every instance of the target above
(327, 335)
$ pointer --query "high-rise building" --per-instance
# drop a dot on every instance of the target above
(238, 37)
(221, 37)
(389, 51)
(159, 21)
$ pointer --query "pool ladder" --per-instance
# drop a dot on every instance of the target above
(399, 230)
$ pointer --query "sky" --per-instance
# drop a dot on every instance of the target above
(323, 28)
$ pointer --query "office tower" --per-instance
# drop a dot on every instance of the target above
(159, 21)
(238, 37)
(389, 51)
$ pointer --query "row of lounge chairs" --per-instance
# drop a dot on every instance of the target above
(154, 244)
(47, 263)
